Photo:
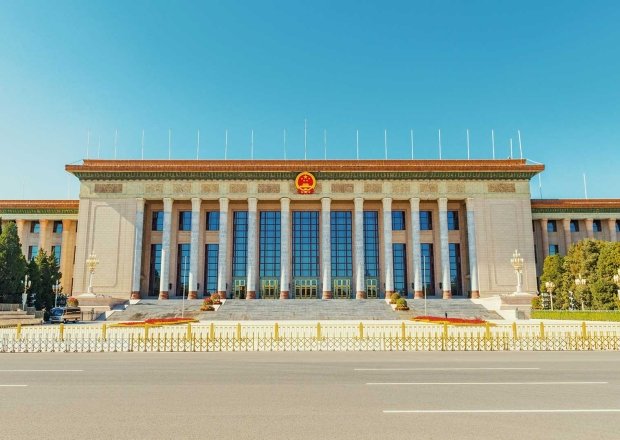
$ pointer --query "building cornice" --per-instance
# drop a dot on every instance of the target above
(14, 207)
(577, 206)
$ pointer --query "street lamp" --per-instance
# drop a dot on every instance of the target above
(550, 286)
(617, 281)
(580, 283)
(91, 264)
(56, 289)
(517, 264)
(27, 283)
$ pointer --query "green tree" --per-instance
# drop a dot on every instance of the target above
(553, 270)
(12, 265)
(604, 289)
(581, 260)
(44, 272)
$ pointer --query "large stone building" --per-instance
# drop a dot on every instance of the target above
(305, 229)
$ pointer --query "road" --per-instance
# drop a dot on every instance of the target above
(364, 395)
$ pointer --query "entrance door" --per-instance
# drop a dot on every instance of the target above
(342, 288)
(269, 289)
(306, 289)
(239, 289)
(371, 288)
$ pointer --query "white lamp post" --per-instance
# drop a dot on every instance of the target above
(91, 264)
(517, 264)
(617, 281)
(550, 286)
(56, 289)
(581, 282)
(27, 283)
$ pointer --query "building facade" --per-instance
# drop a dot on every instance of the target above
(303, 229)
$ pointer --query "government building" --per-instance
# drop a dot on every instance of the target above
(274, 229)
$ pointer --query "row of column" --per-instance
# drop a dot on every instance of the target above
(611, 224)
(285, 258)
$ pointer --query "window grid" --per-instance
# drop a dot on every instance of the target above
(33, 251)
(157, 223)
(400, 268)
(213, 220)
(57, 252)
(428, 268)
(597, 226)
(574, 225)
(341, 251)
(371, 243)
(35, 227)
(185, 220)
(552, 226)
(269, 244)
(211, 254)
(455, 268)
(398, 220)
(453, 220)
(155, 265)
(240, 243)
(426, 221)
(306, 243)
(183, 269)
(554, 249)
(57, 227)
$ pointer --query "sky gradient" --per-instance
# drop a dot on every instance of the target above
(548, 69)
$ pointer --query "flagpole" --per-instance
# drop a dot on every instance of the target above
(439, 130)
(468, 144)
(305, 139)
(520, 146)
(493, 142)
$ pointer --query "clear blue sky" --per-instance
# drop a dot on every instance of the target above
(550, 69)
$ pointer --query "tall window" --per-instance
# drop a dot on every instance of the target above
(185, 221)
(398, 220)
(33, 251)
(35, 227)
(617, 225)
(213, 220)
(269, 244)
(155, 266)
(400, 268)
(597, 226)
(455, 269)
(211, 255)
(306, 244)
(240, 243)
(371, 243)
(157, 223)
(426, 220)
(56, 251)
(57, 227)
(428, 268)
(574, 225)
(342, 259)
(552, 226)
(453, 220)
(554, 249)
(183, 269)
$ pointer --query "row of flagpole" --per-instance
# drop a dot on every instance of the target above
(357, 144)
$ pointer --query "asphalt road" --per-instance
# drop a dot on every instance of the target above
(514, 395)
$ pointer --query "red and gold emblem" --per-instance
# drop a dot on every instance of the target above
(305, 183)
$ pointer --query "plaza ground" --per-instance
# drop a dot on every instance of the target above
(507, 395)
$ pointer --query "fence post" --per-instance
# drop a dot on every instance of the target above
(18, 334)
(487, 330)
(61, 330)
(212, 331)
(514, 330)
(276, 331)
(445, 330)
(403, 330)
(318, 330)
(146, 333)
(103, 331)
(361, 327)
(189, 330)
(542, 330)
(238, 331)
(584, 332)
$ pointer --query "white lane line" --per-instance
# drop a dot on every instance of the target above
(499, 411)
(13, 385)
(486, 383)
(41, 371)
(446, 369)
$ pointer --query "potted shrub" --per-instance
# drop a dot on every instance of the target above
(401, 304)
(72, 302)
(215, 298)
(207, 305)
(394, 297)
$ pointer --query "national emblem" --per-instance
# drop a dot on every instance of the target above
(305, 183)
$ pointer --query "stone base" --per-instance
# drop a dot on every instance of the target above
(327, 294)
(447, 294)
(193, 294)
(360, 295)
(521, 301)
(418, 294)
(284, 294)
(163, 294)
(475, 294)
(135, 295)
(221, 294)
(251, 294)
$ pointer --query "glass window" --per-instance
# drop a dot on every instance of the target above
(342, 256)
(455, 269)
(552, 226)
(211, 262)
(183, 269)
(35, 227)
(305, 244)
(426, 220)
(400, 268)
(617, 225)
(213, 220)
(33, 251)
(185, 221)
(453, 220)
(398, 220)
(240, 243)
(158, 221)
(154, 268)
(57, 227)
(56, 251)
(574, 225)
(269, 244)
(554, 249)
(597, 226)
(428, 268)
(371, 243)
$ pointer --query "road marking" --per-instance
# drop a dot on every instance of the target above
(486, 383)
(41, 371)
(13, 385)
(446, 369)
(497, 411)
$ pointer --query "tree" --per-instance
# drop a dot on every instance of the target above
(44, 272)
(553, 271)
(605, 297)
(581, 260)
(12, 265)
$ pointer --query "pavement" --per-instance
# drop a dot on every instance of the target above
(361, 395)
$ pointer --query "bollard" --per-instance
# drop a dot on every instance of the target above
(487, 330)
(318, 330)
(584, 332)
(276, 332)
(18, 334)
(212, 331)
(238, 331)
(103, 332)
(514, 330)
(189, 330)
(361, 328)
(61, 330)
(542, 330)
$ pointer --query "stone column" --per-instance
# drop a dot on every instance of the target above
(545, 237)
(444, 248)
(164, 273)
(137, 248)
(326, 247)
(589, 227)
(471, 241)
(612, 229)
(66, 252)
(285, 246)
(222, 256)
(252, 261)
(417, 248)
(567, 234)
(388, 259)
(43, 234)
(360, 285)
(21, 233)
(194, 250)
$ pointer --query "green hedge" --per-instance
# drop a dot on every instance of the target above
(577, 315)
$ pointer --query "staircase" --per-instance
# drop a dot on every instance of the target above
(10, 315)
(455, 308)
